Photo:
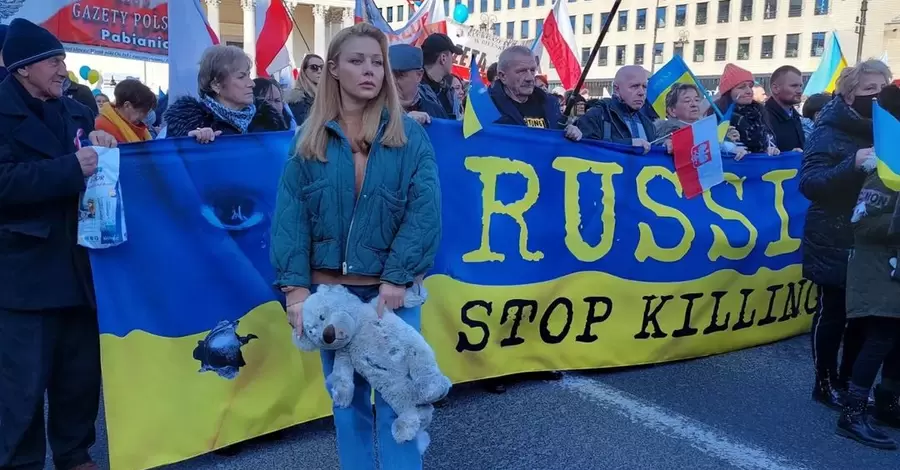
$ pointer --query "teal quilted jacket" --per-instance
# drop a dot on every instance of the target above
(391, 230)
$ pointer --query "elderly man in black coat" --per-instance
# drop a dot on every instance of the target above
(49, 341)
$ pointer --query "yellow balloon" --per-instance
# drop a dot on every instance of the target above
(73, 77)
(93, 76)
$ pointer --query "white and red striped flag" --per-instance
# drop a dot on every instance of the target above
(189, 35)
(273, 28)
(698, 159)
(559, 42)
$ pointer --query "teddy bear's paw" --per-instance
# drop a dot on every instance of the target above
(341, 391)
(432, 388)
(423, 440)
(405, 427)
(426, 413)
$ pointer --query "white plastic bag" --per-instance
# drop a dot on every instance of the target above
(101, 215)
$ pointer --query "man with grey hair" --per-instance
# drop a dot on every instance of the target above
(517, 98)
(619, 119)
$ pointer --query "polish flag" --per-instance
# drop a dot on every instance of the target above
(189, 35)
(273, 28)
(429, 18)
(559, 42)
(698, 159)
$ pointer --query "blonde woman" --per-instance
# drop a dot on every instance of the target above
(358, 205)
(301, 97)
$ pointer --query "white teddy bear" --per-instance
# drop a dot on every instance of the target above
(389, 353)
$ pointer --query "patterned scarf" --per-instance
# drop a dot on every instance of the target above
(239, 119)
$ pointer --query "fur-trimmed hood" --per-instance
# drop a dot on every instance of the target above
(189, 113)
(296, 95)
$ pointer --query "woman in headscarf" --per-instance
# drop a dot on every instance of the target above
(125, 120)
(359, 149)
(226, 105)
(301, 97)
(749, 116)
(831, 178)
(873, 290)
(269, 90)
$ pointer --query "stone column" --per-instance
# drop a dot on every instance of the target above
(249, 7)
(320, 46)
(348, 17)
(212, 15)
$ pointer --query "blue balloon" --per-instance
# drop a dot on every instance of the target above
(96, 91)
(460, 13)
(418, 3)
(84, 71)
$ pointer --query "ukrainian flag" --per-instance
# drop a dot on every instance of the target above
(887, 128)
(826, 75)
(480, 109)
(675, 71)
(725, 123)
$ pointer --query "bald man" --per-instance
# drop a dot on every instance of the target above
(619, 119)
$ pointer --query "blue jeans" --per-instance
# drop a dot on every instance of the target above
(356, 427)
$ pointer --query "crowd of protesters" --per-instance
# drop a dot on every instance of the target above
(366, 99)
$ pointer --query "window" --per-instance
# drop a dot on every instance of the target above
(680, 15)
(496, 29)
(390, 14)
(603, 18)
(511, 4)
(447, 6)
(620, 55)
(792, 46)
(721, 50)
(771, 10)
(746, 10)
(538, 27)
(603, 56)
(661, 17)
(400, 12)
(821, 7)
(658, 50)
(484, 6)
(702, 11)
(641, 19)
(724, 11)
(744, 48)
(768, 47)
(585, 55)
(497, 4)
(572, 22)
(525, 3)
(623, 20)
(539, 3)
(409, 12)
(588, 26)
(638, 54)
(817, 48)
(795, 8)
(699, 50)
(525, 30)
(471, 5)
(678, 49)
(510, 29)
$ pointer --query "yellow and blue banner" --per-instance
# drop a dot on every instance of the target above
(887, 152)
(824, 79)
(480, 109)
(557, 255)
(674, 72)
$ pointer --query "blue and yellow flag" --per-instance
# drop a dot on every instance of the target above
(480, 109)
(825, 77)
(675, 71)
(887, 128)
(725, 122)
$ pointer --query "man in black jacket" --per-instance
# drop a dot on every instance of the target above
(82, 94)
(49, 340)
(787, 92)
(406, 65)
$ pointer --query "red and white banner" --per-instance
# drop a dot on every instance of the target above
(559, 42)
(480, 42)
(698, 159)
(133, 29)
(273, 27)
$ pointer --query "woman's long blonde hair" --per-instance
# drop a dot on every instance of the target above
(327, 106)
(303, 83)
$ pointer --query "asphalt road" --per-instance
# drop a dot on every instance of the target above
(749, 410)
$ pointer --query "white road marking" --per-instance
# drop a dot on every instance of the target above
(705, 438)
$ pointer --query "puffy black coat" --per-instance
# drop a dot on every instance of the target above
(188, 114)
(300, 104)
(830, 180)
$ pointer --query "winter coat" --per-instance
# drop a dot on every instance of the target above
(873, 286)
(607, 122)
(391, 230)
(787, 129)
(300, 104)
(509, 114)
(41, 265)
(830, 180)
(83, 95)
(188, 113)
(455, 111)
(751, 121)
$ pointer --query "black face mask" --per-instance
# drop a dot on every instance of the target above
(862, 104)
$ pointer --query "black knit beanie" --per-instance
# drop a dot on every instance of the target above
(27, 43)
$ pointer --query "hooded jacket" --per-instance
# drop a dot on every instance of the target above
(300, 103)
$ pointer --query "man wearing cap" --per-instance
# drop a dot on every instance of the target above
(406, 65)
(437, 53)
(49, 340)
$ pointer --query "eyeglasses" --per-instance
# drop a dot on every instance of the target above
(314, 67)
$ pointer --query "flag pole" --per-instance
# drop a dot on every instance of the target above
(570, 103)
